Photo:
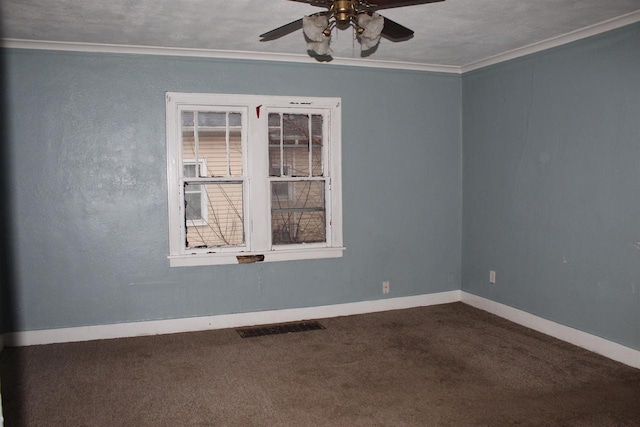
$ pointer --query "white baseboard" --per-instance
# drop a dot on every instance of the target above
(610, 349)
(170, 326)
(582, 339)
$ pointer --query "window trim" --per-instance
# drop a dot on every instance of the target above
(255, 111)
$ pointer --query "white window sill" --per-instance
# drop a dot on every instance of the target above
(193, 260)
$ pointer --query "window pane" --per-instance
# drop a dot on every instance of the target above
(189, 170)
(274, 120)
(224, 215)
(296, 143)
(280, 194)
(316, 146)
(275, 133)
(193, 204)
(209, 119)
(187, 118)
(297, 227)
(235, 119)
(301, 194)
(235, 152)
(297, 212)
(296, 158)
(274, 161)
(189, 145)
(295, 129)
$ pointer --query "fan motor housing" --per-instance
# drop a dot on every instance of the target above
(344, 10)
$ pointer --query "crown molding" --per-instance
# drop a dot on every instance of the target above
(591, 30)
(9, 43)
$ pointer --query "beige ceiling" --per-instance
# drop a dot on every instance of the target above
(454, 33)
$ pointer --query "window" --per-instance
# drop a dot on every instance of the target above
(253, 178)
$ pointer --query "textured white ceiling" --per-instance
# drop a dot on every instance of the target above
(452, 33)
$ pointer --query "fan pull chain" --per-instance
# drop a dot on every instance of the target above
(353, 42)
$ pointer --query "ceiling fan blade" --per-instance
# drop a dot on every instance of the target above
(281, 31)
(321, 3)
(388, 4)
(395, 32)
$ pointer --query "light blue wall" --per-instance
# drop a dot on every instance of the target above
(89, 225)
(552, 184)
(551, 187)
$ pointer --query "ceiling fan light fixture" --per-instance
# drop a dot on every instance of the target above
(360, 15)
(320, 48)
(371, 26)
(315, 29)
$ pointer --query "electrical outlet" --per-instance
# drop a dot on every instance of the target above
(492, 276)
(385, 287)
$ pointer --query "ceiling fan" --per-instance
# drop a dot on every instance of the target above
(361, 15)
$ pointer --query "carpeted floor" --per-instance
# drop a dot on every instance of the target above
(446, 365)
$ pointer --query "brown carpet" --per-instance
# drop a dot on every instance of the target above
(448, 365)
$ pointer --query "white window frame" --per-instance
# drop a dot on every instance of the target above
(256, 180)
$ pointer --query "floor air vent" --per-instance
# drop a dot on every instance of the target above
(284, 328)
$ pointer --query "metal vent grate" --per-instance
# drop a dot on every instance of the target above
(285, 328)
